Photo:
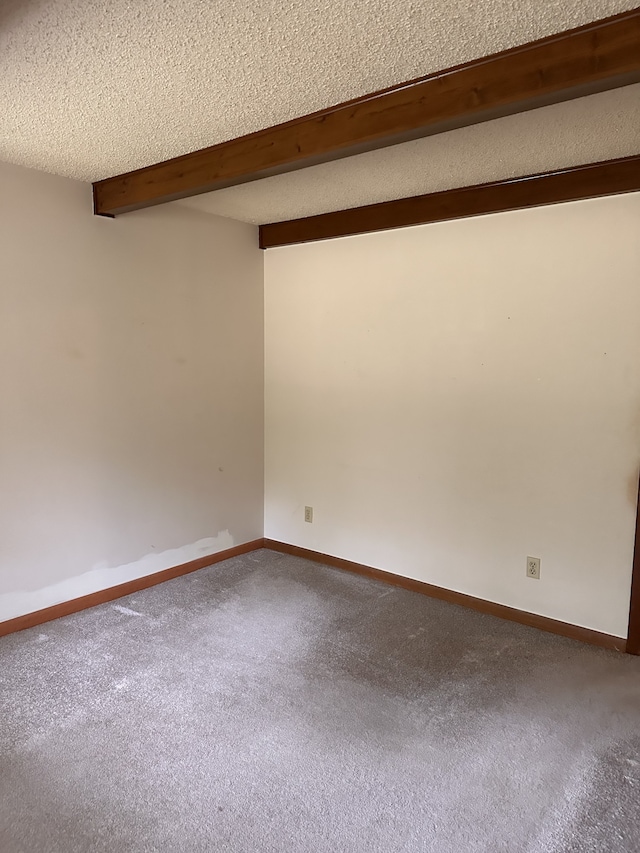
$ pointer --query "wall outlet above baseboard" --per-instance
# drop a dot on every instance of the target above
(533, 567)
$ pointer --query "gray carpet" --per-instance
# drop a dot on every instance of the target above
(271, 704)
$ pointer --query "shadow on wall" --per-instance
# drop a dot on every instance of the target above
(14, 11)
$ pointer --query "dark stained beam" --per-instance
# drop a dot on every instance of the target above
(610, 177)
(600, 56)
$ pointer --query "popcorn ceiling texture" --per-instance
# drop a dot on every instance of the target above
(600, 127)
(90, 89)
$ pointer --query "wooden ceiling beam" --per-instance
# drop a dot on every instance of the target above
(593, 58)
(611, 177)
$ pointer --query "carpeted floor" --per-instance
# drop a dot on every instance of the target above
(271, 704)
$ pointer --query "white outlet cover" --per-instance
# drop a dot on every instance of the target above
(533, 567)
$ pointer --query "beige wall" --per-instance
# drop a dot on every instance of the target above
(454, 397)
(131, 385)
(448, 398)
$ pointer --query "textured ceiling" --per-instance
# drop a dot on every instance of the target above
(90, 88)
(599, 127)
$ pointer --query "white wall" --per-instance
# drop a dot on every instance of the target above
(131, 390)
(454, 397)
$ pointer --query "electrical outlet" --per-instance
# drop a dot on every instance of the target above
(308, 514)
(533, 567)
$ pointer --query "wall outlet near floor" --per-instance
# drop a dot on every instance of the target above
(533, 567)
(308, 514)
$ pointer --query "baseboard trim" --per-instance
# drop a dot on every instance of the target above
(533, 620)
(66, 608)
